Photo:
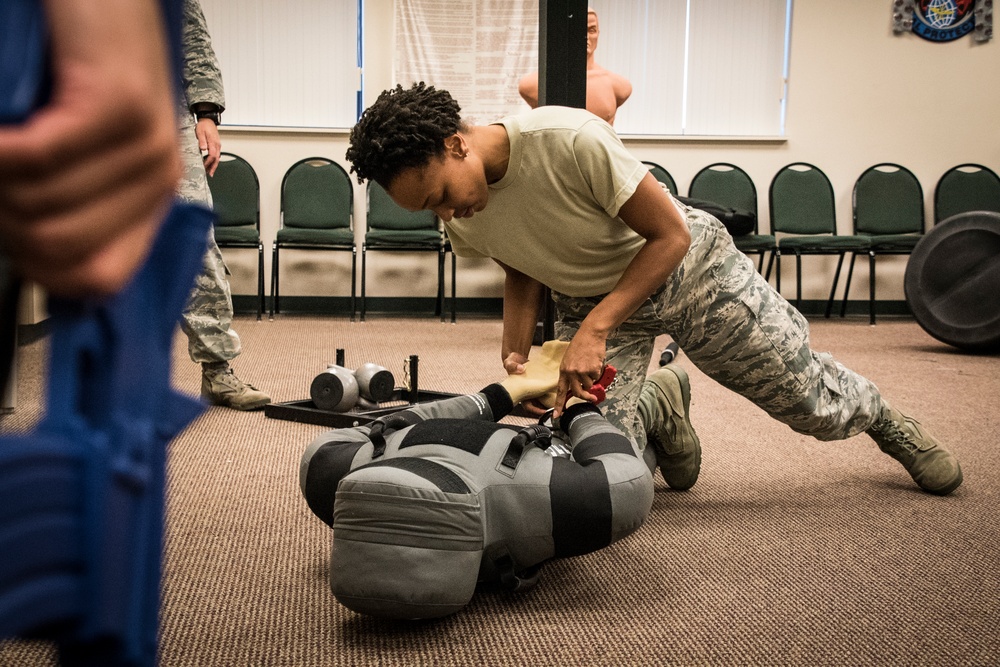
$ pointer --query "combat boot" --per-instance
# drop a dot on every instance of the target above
(932, 467)
(664, 404)
(220, 386)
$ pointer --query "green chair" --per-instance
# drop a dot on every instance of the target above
(391, 228)
(317, 213)
(662, 175)
(727, 184)
(236, 200)
(804, 220)
(967, 187)
(888, 205)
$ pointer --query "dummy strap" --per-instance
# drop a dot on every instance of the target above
(537, 435)
(394, 422)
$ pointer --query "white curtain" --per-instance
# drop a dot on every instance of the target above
(736, 58)
(292, 63)
(697, 67)
(475, 49)
(644, 41)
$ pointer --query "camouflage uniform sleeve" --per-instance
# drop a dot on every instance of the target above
(201, 77)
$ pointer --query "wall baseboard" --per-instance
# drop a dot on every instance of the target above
(817, 308)
(246, 304)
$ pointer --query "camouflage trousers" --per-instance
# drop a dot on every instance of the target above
(737, 330)
(208, 315)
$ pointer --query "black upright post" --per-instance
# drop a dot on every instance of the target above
(562, 80)
(562, 53)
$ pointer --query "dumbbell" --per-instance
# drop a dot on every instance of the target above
(338, 389)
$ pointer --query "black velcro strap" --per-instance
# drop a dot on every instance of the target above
(443, 478)
(327, 467)
(465, 434)
(499, 401)
(600, 444)
(577, 409)
(581, 507)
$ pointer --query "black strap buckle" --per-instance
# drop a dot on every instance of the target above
(538, 435)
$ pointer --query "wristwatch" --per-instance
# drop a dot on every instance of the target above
(215, 115)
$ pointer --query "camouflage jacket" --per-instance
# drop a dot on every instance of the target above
(201, 78)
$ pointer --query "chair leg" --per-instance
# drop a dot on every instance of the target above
(833, 290)
(454, 301)
(770, 262)
(440, 292)
(354, 280)
(260, 281)
(760, 263)
(776, 256)
(798, 282)
(364, 269)
(847, 287)
(871, 285)
(274, 281)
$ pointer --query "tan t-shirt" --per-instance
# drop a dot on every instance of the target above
(553, 215)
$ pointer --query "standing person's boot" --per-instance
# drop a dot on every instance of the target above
(932, 467)
(664, 404)
(220, 386)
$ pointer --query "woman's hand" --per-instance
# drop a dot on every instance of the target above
(582, 366)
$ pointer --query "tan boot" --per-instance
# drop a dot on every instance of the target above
(220, 386)
(932, 467)
(664, 404)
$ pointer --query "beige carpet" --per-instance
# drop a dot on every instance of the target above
(788, 551)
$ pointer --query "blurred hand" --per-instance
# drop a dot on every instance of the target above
(85, 182)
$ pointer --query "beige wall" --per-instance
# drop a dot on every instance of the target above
(858, 95)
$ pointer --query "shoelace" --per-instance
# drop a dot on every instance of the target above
(894, 434)
(228, 378)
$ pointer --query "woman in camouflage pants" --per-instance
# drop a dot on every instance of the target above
(554, 197)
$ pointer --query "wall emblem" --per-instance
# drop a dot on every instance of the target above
(944, 20)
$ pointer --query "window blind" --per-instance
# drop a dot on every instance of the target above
(291, 63)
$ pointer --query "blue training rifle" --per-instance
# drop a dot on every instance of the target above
(82, 496)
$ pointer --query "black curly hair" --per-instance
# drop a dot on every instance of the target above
(404, 128)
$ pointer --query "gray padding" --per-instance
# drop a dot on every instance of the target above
(404, 547)
(401, 550)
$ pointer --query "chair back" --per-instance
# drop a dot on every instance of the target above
(662, 175)
(316, 193)
(964, 188)
(235, 193)
(888, 199)
(801, 201)
(726, 184)
(385, 214)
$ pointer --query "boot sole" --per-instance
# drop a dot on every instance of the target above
(249, 407)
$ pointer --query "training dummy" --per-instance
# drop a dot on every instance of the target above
(429, 501)
(606, 90)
